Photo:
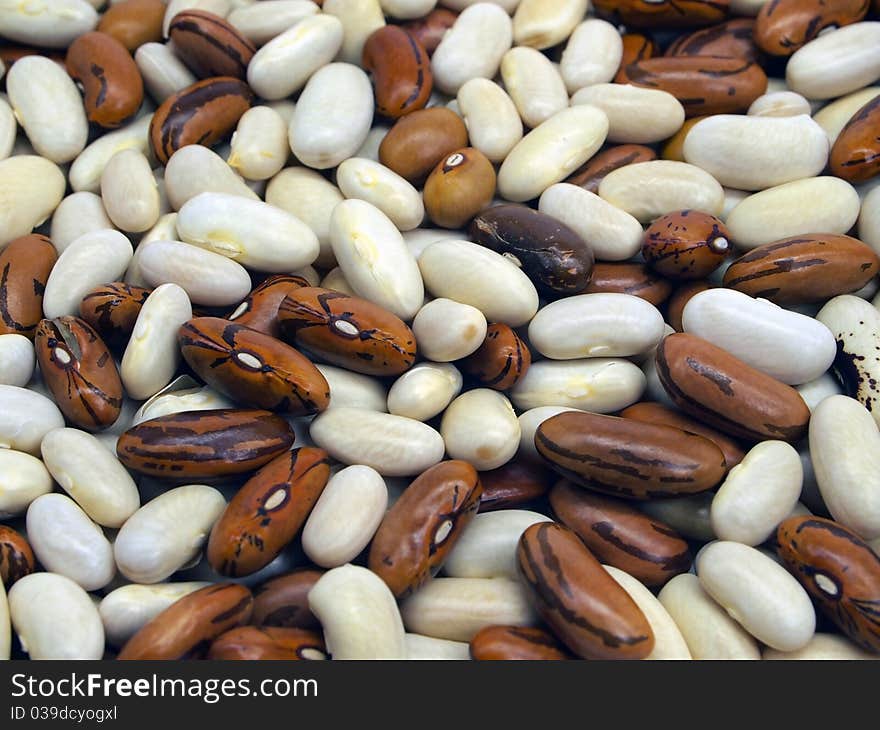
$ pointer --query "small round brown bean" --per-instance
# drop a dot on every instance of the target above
(459, 187)
(687, 244)
(419, 141)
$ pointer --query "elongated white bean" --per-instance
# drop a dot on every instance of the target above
(507, 5)
(592, 55)
(77, 214)
(261, 22)
(8, 129)
(25, 418)
(815, 391)
(378, 185)
(17, 360)
(869, 219)
(493, 122)
(424, 391)
(447, 330)
(195, 169)
(427, 647)
(359, 19)
(129, 192)
(533, 84)
(834, 116)
(544, 23)
(779, 104)
(822, 646)
(30, 189)
(23, 478)
(163, 72)
(216, 7)
(353, 390)
(335, 280)
(635, 114)
(181, 394)
(47, 23)
(86, 170)
(529, 422)
(480, 427)
(259, 145)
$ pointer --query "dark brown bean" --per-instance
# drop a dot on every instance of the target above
(25, 264)
(732, 38)
(629, 278)
(112, 309)
(516, 483)
(209, 45)
(594, 170)
(501, 361)
(783, 26)
(283, 601)
(855, 155)
(525, 643)
(16, 557)
(250, 643)
(686, 244)
(419, 141)
(680, 297)
(134, 22)
(459, 187)
(429, 30)
(401, 70)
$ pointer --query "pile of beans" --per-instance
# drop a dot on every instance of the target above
(523, 329)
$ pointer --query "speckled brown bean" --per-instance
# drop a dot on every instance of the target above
(627, 458)
(429, 30)
(703, 84)
(636, 47)
(619, 535)
(783, 26)
(629, 278)
(202, 113)
(508, 643)
(204, 444)
(687, 244)
(249, 643)
(648, 412)
(134, 22)
(516, 483)
(597, 167)
(252, 368)
(665, 13)
(347, 331)
(25, 264)
(459, 187)
(111, 81)
(188, 627)
(712, 385)
(680, 297)
(283, 601)
(419, 530)
(673, 148)
(419, 141)
(260, 310)
(209, 45)
(80, 372)
(112, 309)
(801, 269)
(401, 70)
(501, 361)
(582, 604)
(267, 512)
(839, 570)
(554, 257)
(732, 38)
(16, 557)
(855, 155)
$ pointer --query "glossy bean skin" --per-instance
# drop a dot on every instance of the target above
(855, 155)
(731, 38)
(590, 613)
(419, 141)
(460, 186)
(401, 70)
(599, 165)
(552, 255)
(686, 245)
(202, 113)
(666, 13)
(420, 529)
(678, 300)
(839, 570)
(250, 643)
(80, 372)
(112, 309)
(629, 278)
(283, 601)
(510, 643)
(514, 484)
(25, 264)
(209, 45)
(783, 26)
(347, 331)
(501, 361)
(722, 391)
(109, 76)
(16, 557)
(186, 629)
(260, 310)
(636, 47)
(429, 30)
(624, 458)
(803, 269)
(619, 535)
(203, 444)
(134, 22)
(267, 512)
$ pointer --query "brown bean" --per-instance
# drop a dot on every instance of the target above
(839, 570)
(783, 26)
(267, 512)
(429, 30)
(673, 148)
(636, 47)
(802, 269)
(419, 141)
(507, 643)
(134, 22)
(628, 458)
(501, 361)
(209, 45)
(731, 38)
(582, 604)
(16, 557)
(714, 386)
(187, 628)
(665, 13)
(283, 601)
(250, 643)
(347, 331)
(202, 113)
(621, 536)
(855, 155)
(459, 187)
(112, 309)
(80, 372)
(422, 526)
(12, 52)
(686, 244)
(401, 70)
(629, 278)
(203, 444)
(594, 170)
(680, 297)
(516, 483)
(25, 264)
(260, 310)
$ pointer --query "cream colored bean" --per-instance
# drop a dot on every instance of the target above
(407, 9)
(55, 618)
(23, 478)
(837, 62)
(46, 23)
(76, 215)
(779, 104)
(732, 198)
(487, 546)
(480, 427)
(359, 19)
(457, 608)
(8, 129)
(181, 394)
(706, 627)
(758, 593)
(5, 625)
(529, 422)
(167, 532)
(507, 5)
(392, 445)
(552, 151)
(30, 189)
(129, 192)
(17, 360)
(284, 65)
(647, 190)
(419, 239)
(789, 346)
(825, 204)
(424, 391)
(687, 515)
(534, 85)
(259, 145)
(374, 258)
(819, 389)
(447, 330)
(376, 184)
(195, 169)
(427, 647)
(309, 273)
(472, 274)
(755, 153)
(353, 390)
(834, 116)
(86, 170)
(370, 147)
(25, 418)
(544, 23)
(152, 354)
(164, 230)
(163, 72)
(217, 7)
(336, 280)
(345, 517)
(592, 55)
(869, 219)
(359, 615)
(822, 646)
(128, 609)
(635, 114)
(493, 122)
(263, 21)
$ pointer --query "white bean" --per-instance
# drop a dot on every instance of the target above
(129, 192)
(424, 391)
(447, 330)
(834, 116)
(779, 104)
(480, 427)
(87, 168)
(25, 418)
(378, 185)
(427, 647)
(195, 169)
(17, 360)
(353, 390)
(869, 219)
(493, 122)
(261, 22)
(259, 145)
(8, 129)
(544, 23)
(31, 188)
(163, 72)
(822, 646)
(529, 422)
(592, 55)
(47, 23)
(76, 215)
(359, 19)
(23, 478)
(181, 394)
(534, 84)
(635, 114)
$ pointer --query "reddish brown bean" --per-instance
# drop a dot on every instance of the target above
(855, 155)
(636, 47)
(517, 482)
(525, 643)
(594, 170)
(629, 278)
(680, 297)
(732, 38)
(429, 30)
(112, 309)
(25, 264)
(419, 141)
(501, 361)
(260, 310)
(250, 643)
(401, 70)
(665, 13)
(283, 601)
(16, 557)
(209, 45)
(686, 244)
(134, 22)
(783, 26)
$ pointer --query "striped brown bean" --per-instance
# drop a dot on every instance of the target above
(501, 361)
(783, 26)
(629, 278)
(209, 45)
(250, 643)
(283, 601)
(517, 482)
(731, 38)
(678, 300)
(525, 643)
(401, 70)
(16, 557)
(855, 155)
(430, 29)
(636, 47)
(594, 170)
(259, 310)
(686, 244)
(112, 309)
(25, 264)
(665, 13)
